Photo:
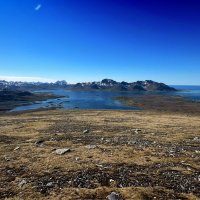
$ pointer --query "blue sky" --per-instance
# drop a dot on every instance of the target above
(85, 40)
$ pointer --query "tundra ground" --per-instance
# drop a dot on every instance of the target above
(137, 154)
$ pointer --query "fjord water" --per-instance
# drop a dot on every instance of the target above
(102, 99)
(80, 100)
(191, 92)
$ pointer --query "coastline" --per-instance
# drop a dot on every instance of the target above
(7, 105)
(162, 103)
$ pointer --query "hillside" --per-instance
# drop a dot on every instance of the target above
(9, 99)
(109, 84)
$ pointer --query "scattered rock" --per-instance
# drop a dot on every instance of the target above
(90, 146)
(90, 157)
(196, 139)
(113, 183)
(22, 183)
(62, 151)
(77, 158)
(7, 158)
(113, 196)
(189, 169)
(99, 165)
(107, 140)
(39, 142)
(16, 148)
(137, 131)
(86, 131)
(50, 184)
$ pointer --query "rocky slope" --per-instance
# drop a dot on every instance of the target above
(109, 84)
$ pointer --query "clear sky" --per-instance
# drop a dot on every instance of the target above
(85, 40)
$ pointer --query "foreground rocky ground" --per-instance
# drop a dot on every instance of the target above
(89, 154)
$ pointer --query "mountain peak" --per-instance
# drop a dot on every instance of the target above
(110, 84)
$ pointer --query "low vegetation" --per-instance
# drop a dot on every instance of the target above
(163, 103)
(136, 154)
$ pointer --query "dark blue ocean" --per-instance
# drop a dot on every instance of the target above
(102, 99)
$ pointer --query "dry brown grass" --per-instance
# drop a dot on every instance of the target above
(159, 161)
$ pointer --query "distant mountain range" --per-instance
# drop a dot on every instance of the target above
(18, 85)
(105, 84)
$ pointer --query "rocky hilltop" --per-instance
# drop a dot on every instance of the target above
(109, 84)
(105, 84)
(100, 154)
